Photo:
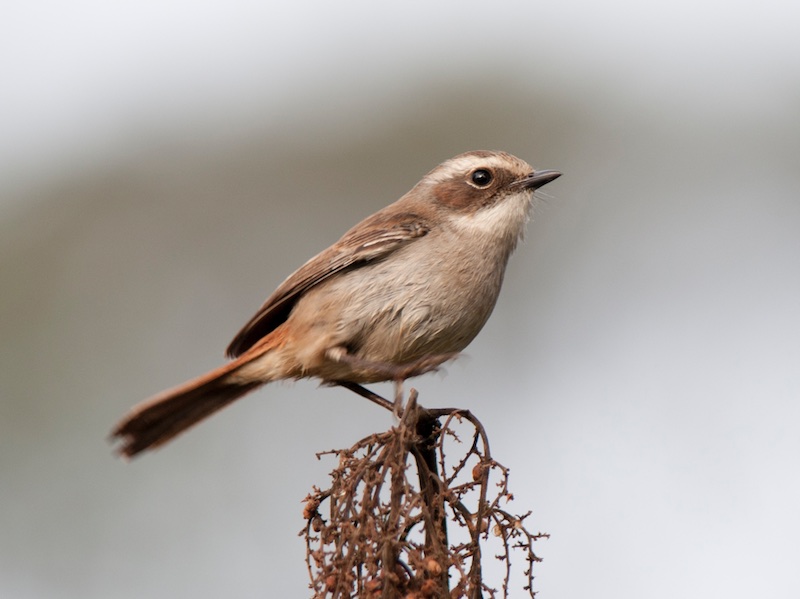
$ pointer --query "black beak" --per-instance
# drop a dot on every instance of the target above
(538, 178)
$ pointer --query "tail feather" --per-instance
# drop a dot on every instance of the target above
(160, 419)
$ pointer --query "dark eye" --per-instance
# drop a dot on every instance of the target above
(481, 177)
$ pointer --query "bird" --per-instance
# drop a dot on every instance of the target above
(400, 293)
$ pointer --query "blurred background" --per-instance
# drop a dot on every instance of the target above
(164, 165)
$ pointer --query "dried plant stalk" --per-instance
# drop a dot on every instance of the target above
(406, 520)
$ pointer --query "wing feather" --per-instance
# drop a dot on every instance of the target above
(373, 239)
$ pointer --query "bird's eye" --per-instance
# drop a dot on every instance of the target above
(481, 177)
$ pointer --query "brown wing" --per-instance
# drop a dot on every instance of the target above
(373, 239)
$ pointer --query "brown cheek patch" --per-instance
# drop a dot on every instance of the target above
(462, 196)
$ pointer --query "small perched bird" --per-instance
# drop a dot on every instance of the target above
(401, 292)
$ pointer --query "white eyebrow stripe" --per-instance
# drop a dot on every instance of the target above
(463, 164)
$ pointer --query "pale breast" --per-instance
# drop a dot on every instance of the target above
(431, 297)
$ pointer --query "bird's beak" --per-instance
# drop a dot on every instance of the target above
(538, 178)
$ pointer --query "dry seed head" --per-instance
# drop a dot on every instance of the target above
(433, 567)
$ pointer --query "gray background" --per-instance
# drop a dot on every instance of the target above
(165, 166)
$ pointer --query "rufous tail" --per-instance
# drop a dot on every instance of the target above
(163, 417)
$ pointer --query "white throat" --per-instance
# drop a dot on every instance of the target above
(502, 223)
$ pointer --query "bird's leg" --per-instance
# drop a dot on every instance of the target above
(398, 398)
(394, 372)
(390, 372)
(367, 394)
